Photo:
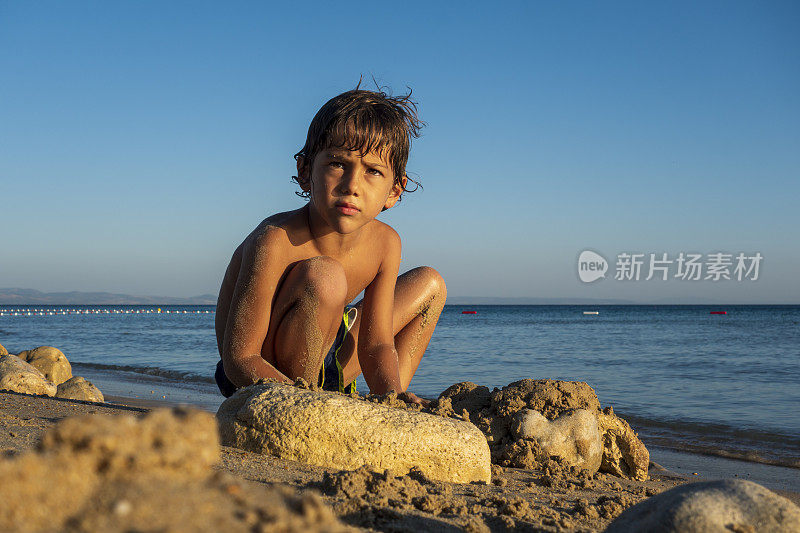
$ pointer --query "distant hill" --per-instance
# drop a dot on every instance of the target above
(18, 296)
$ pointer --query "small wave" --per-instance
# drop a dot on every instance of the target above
(742, 444)
(174, 375)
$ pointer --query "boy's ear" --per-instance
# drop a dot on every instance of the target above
(395, 193)
(303, 173)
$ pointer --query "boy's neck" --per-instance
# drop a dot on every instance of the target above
(327, 240)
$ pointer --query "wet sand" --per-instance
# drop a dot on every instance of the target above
(516, 498)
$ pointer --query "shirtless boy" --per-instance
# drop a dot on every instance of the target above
(281, 308)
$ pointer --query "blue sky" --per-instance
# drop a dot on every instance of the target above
(141, 141)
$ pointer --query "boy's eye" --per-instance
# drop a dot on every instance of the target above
(375, 171)
(335, 164)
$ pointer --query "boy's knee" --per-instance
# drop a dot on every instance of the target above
(324, 280)
(434, 280)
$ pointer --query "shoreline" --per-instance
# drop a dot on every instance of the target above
(153, 391)
(516, 498)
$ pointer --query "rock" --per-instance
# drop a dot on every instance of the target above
(51, 362)
(118, 474)
(711, 506)
(3, 350)
(333, 430)
(18, 376)
(77, 388)
(24, 355)
(623, 453)
(573, 437)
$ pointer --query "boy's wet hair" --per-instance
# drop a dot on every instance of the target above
(364, 121)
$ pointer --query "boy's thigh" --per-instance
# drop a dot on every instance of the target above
(413, 291)
(315, 283)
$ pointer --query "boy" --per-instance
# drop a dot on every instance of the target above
(281, 308)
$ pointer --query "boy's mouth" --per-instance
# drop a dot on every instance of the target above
(346, 208)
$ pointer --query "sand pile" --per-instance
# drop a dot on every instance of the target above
(543, 424)
(556, 427)
(44, 371)
(97, 473)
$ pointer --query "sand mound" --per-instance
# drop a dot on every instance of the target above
(99, 473)
(498, 412)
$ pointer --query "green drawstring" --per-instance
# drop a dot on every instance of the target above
(348, 324)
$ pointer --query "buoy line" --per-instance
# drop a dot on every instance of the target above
(55, 311)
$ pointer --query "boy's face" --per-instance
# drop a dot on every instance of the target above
(349, 189)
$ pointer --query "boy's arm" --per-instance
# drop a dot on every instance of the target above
(376, 351)
(249, 315)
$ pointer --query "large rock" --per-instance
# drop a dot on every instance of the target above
(333, 430)
(623, 453)
(120, 474)
(51, 362)
(573, 437)
(3, 350)
(78, 388)
(711, 506)
(18, 376)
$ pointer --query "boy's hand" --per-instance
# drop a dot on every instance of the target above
(410, 397)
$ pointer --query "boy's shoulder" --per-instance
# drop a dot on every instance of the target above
(291, 228)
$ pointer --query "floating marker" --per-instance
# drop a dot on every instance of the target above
(469, 312)
(719, 312)
(591, 312)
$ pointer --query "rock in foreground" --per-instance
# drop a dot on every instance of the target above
(18, 376)
(118, 474)
(728, 505)
(333, 430)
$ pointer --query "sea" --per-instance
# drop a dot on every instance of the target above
(715, 381)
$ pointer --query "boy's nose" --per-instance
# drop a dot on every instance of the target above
(350, 183)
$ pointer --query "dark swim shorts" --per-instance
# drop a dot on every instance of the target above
(330, 375)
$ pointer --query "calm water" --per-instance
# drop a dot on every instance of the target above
(684, 378)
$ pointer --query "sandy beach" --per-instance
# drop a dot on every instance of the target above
(516, 499)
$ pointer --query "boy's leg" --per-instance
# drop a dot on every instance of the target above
(305, 317)
(419, 298)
